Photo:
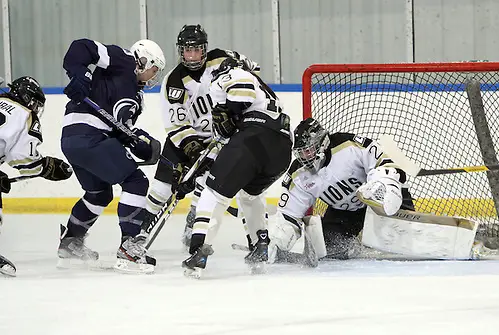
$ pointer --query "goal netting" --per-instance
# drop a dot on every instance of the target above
(429, 111)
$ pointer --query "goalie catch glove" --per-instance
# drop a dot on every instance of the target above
(383, 189)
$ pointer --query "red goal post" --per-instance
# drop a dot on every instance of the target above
(428, 109)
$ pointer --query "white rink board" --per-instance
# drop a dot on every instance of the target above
(151, 120)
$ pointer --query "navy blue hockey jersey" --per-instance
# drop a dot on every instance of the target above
(114, 87)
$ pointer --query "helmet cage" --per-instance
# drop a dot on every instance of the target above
(193, 64)
(310, 151)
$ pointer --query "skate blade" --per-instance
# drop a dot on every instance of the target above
(193, 273)
(8, 270)
(74, 263)
(126, 266)
(258, 268)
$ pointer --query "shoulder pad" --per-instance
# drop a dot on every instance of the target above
(286, 181)
(175, 89)
(34, 127)
(340, 138)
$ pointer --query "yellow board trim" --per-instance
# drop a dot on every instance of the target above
(474, 207)
(64, 205)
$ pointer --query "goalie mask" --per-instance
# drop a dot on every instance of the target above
(192, 45)
(310, 144)
(27, 92)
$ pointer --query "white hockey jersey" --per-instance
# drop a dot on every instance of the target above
(185, 100)
(20, 136)
(261, 104)
(346, 168)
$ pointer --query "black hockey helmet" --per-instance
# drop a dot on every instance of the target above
(27, 91)
(192, 36)
(311, 141)
(228, 64)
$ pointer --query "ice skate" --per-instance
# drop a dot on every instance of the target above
(195, 264)
(7, 268)
(257, 258)
(73, 252)
(132, 256)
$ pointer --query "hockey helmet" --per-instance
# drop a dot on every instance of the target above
(147, 54)
(310, 143)
(27, 91)
(227, 64)
(192, 37)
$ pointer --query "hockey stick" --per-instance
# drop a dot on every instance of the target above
(20, 178)
(390, 148)
(173, 201)
(121, 127)
(163, 217)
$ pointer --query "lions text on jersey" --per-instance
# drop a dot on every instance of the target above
(350, 159)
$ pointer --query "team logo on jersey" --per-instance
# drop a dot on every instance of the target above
(175, 93)
(359, 139)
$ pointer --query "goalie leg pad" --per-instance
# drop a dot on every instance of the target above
(283, 235)
(419, 235)
(313, 227)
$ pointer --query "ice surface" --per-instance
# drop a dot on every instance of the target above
(342, 297)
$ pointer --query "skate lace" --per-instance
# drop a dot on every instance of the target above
(134, 248)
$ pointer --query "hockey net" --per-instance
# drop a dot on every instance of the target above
(428, 111)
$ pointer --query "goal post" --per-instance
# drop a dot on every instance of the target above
(442, 115)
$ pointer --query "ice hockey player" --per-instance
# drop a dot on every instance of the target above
(186, 109)
(248, 113)
(336, 168)
(98, 152)
(20, 111)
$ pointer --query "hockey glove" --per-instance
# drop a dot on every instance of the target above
(181, 189)
(177, 174)
(193, 149)
(185, 188)
(4, 182)
(79, 85)
(55, 169)
(383, 189)
(146, 147)
(222, 122)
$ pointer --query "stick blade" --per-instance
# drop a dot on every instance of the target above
(390, 148)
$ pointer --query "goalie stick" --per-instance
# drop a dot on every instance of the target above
(391, 148)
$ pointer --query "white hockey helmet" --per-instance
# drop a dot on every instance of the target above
(147, 54)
